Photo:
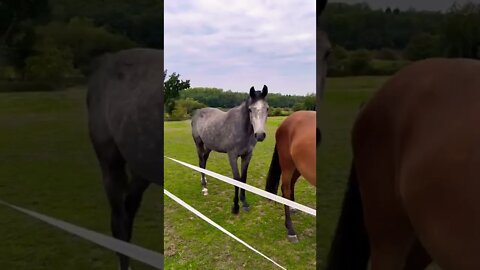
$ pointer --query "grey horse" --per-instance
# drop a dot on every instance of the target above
(234, 132)
(125, 120)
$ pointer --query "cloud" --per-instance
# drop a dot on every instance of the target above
(237, 44)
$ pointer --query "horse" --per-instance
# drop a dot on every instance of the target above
(235, 132)
(412, 195)
(294, 155)
(125, 121)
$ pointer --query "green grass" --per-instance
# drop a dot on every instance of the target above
(47, 164)
(342, 100)
(191, 243)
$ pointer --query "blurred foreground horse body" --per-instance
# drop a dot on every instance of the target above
(125, 119)
(296, 141)
(234, 132)
(413, 193)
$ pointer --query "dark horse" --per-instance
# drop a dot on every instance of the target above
(413, 192)
(234, 132)
(125, 119)
(294, 155)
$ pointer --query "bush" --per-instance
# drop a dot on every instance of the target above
(51, 64)
(422, 46)
(359, 62)
(8, 73)
(179, 113)
(298, 107)
(183, 109)
(386, 67)
(275, 112)
(386, 54)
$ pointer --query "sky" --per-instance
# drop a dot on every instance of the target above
(431, 5)
(238, 44)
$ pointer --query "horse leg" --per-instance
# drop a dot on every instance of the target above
(203, 165)
(233, 164)
(133, 200)
(203, 154)
(115, 184)
(391, 239)
(287, 176)
(245, 161)
(295, 176)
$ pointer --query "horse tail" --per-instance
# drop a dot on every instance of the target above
(274, 172)
(350, 248)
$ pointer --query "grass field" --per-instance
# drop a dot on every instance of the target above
(47, 165)
(191, 243)
(343, 97)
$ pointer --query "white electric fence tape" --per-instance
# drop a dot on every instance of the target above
(211, 222)
(252, 189)
(140, 254)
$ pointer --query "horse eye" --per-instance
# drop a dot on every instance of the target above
(249, 110)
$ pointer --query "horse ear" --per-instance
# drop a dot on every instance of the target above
(264, 91)
(252, 92)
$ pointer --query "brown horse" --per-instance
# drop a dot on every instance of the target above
(294, 155)
(413, 193)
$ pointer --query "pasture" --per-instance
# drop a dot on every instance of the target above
(47, 164)
(191, 243)
(342, 100)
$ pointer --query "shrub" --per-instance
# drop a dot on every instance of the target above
(179, 113)
(51, 64)
(386, 54)
(359, 62)
(189, 104)
(8, 73)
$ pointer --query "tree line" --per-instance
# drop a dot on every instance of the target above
(381, 41)
(58, 39)
(181, 100)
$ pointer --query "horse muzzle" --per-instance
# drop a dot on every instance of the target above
(260, 136)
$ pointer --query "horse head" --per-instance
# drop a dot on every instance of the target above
(258, 111)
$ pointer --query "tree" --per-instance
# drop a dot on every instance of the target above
(461, 31)
(310, 102)
(14, 12)
(422, 46)
(173, 87)
(81, 37)
(298, 107)
(52, 64)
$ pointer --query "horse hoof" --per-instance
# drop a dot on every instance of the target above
(246, 208)
(292, 238)
(235, 210)
(205, 191)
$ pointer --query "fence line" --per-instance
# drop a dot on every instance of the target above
(211, 222)
(138, 253)
(250, 188)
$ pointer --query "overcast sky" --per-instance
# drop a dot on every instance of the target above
(435, 5)
(238, 44)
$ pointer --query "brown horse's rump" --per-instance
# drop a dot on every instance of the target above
(416, 147)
